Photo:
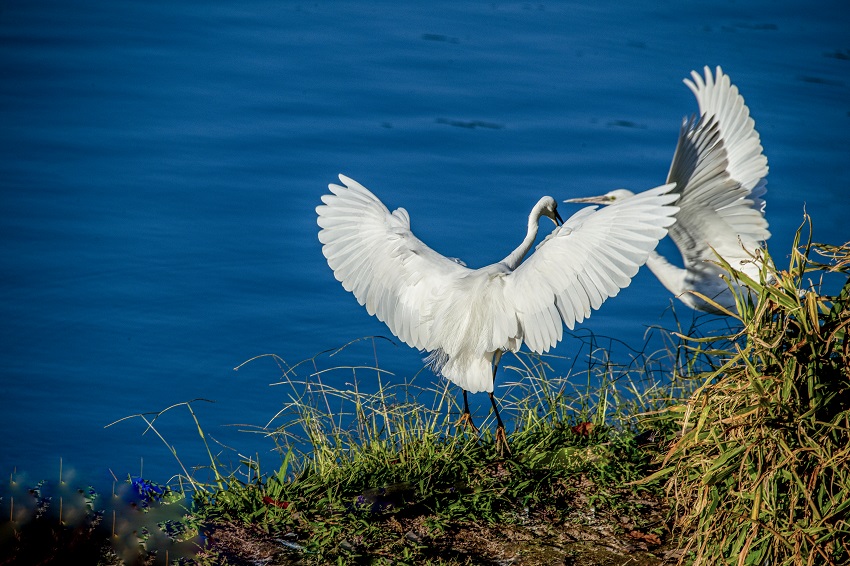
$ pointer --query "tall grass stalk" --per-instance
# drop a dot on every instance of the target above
(150, 420)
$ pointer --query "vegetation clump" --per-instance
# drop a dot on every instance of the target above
(761, 471)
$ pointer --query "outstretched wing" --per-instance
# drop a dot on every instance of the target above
(375, 256)
(587, 260)
(720, 170)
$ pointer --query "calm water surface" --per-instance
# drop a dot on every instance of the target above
(160, 164)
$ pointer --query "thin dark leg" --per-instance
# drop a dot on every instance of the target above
(501, 436)
(466, 417)
(499, 425)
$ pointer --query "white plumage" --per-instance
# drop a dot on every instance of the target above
(719, 170)
(465, 318)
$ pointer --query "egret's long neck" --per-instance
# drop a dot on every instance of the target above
(515, 258)
(670, 276)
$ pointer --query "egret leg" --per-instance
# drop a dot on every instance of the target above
(466, 417)
(501, 436)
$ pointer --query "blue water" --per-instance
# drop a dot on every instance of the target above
(160, 164)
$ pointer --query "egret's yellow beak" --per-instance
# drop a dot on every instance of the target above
(601, 199)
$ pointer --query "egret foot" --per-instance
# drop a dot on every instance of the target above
(502, 441)
(466, 417)
(501, 437)
(466, 421)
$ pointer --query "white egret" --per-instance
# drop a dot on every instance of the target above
(719, 170)
(466, 318)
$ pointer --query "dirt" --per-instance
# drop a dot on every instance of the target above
(583, 539)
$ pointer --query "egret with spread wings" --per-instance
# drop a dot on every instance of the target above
(466, 318)
(719, 170)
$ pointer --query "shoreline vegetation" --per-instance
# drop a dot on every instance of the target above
(730, 447)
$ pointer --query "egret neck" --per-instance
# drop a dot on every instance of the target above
(546, 206)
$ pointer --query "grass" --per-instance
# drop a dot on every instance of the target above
(761, 471)
(387, 478)
(733, 445)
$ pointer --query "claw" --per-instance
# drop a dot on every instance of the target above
(501, 437)
(466, 421)
(502, 441)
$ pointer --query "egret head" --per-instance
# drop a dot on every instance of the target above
(617, 195)
(549, 207)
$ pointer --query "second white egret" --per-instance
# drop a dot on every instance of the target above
(719, 170)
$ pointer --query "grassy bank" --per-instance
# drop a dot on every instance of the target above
(396, 481)
(732, 448)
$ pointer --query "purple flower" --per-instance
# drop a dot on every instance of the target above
(146, 489)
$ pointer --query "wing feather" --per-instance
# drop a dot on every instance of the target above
(720, 169)
(586, 275)
(375, 256)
